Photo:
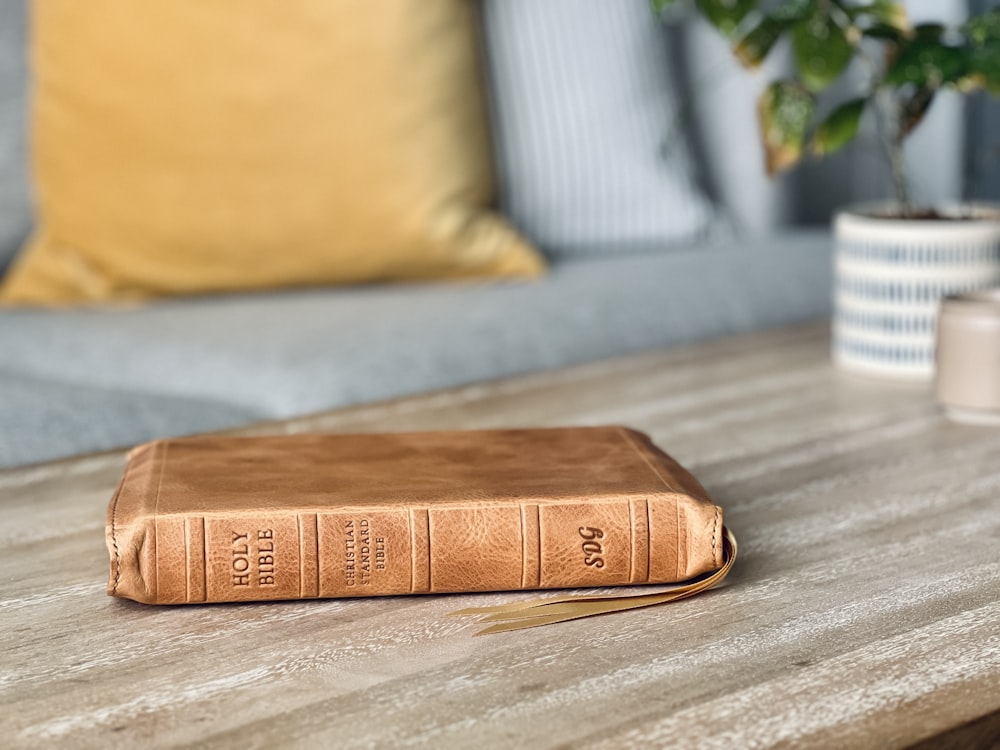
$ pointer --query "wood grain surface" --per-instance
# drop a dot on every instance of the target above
(864, 610)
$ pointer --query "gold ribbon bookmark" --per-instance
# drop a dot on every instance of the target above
(548, 611)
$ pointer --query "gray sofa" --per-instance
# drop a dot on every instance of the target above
(73, 381)
(76, 381)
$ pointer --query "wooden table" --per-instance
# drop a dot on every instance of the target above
(864, 610)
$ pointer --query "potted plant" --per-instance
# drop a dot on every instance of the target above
(894, 261)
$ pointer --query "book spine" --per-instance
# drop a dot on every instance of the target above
(489, 546)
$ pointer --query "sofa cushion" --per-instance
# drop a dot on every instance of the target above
(42, 420)
(286, 354)
(186, 147)
(592, 149)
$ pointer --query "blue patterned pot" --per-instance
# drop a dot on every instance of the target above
(890, 276)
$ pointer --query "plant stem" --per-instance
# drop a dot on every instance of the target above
(893, 144)
(891, 137)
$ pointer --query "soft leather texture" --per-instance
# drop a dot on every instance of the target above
(286, 517)
(199, 147)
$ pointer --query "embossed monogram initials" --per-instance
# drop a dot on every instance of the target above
(593, 550)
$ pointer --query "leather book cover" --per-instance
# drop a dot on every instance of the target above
(219, 519)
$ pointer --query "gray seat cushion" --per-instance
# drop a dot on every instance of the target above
(42, 420)
(289, 353)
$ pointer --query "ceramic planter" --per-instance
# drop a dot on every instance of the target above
(890, 276)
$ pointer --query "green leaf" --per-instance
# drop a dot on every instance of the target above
(881, 13)
(890, 14)
(883, 20)
(793, 10)
(839, 128)
(757, 43)
(822, 50)
(984, 66)
(928, 63)
(784, 109)
(726, 15)
(984, 29)
(659, 6)
(753, 48)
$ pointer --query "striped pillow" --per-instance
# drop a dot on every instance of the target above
(591, 157)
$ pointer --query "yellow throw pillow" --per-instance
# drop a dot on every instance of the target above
(192, 146)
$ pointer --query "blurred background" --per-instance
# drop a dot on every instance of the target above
(625, 154)
(959, 144)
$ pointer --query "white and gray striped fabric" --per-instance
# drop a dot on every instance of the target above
(15, 210)
(592, 158)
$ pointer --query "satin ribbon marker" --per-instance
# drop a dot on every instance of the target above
(548, 611)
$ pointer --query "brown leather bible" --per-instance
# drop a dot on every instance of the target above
(220, 519)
